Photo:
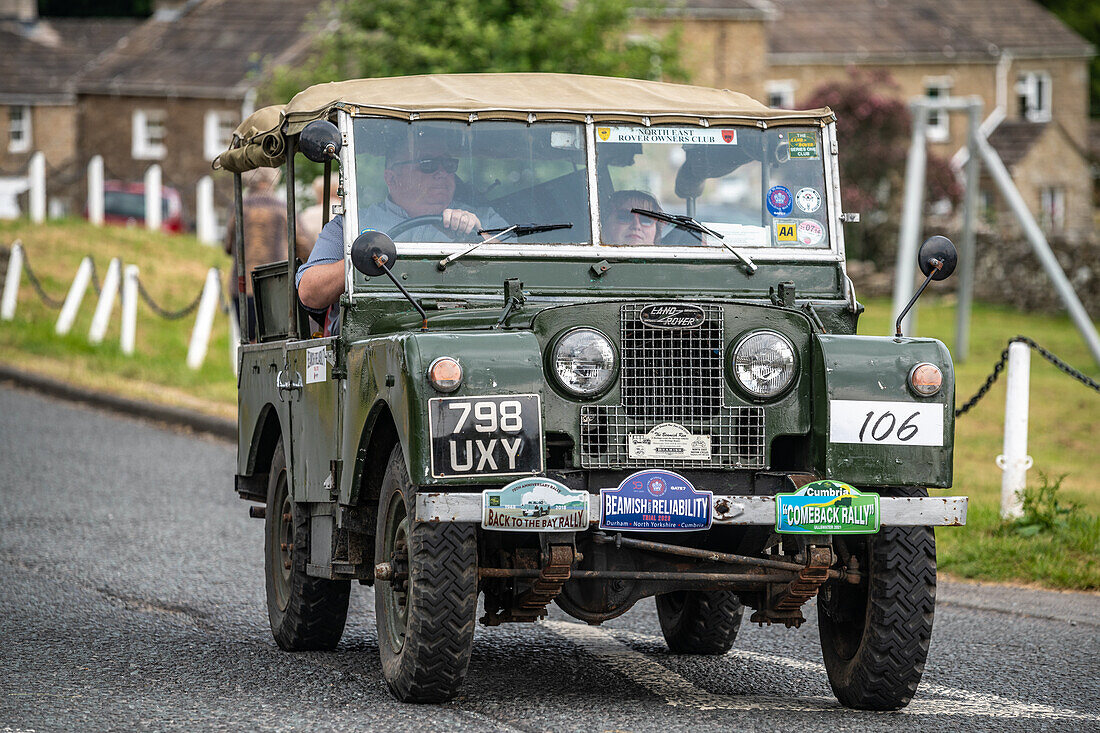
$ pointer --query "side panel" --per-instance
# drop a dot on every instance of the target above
(256, 388)
(313, 418)
(856, 440)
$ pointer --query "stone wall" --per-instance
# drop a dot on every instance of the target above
(1008, 272)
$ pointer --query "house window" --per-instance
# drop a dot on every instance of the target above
(148, 141)
(19, 129)
(1033, 96)
(937, 88)
(1052, 208)
(218, 130)
(780, 93)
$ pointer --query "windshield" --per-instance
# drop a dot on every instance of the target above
(684, 186)
(411, 177)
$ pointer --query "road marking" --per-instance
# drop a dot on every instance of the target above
(678, 691)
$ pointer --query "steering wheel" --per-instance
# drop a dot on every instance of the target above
(435, 220)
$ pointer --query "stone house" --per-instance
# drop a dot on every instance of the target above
(1030, 70)
(176, 87)
(40, 61)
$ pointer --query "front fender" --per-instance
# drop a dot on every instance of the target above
(853, 373)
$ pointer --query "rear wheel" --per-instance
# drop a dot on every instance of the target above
(306, 613)
(426, 612)
(874, 636)
(699, 622)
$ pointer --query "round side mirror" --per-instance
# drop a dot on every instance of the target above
(320, 141)
(371, 250)
(938, 248)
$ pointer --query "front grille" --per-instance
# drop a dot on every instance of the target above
(671, 372)
(671, 376)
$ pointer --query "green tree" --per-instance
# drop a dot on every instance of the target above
(1082, 16)
(374, 38)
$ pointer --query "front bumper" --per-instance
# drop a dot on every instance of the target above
(729, 511)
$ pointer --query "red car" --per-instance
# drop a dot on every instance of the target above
(124, 203)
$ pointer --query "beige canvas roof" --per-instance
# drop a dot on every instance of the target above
(260, 139)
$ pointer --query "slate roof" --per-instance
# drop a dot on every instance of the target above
(1013, 140)
(212, 49)
(40, 60)
(726, 9)
(808, 31)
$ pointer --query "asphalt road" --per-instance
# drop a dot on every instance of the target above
(131, 598)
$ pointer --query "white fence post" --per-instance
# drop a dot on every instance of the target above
(206, 223)
(152, 197)
(37, 174)
(129, 309)
(1015, 461)
(95, 190)
(75, 297)
(11, 282)
(204, 321)
(106, 302)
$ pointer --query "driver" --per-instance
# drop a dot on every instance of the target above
(420, 176)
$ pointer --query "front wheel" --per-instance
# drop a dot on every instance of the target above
(699, 622)
(874, 635)
(306, 613)
(426, 612)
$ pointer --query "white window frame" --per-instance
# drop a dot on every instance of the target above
(142, 147)
(19, 130)
(1052, 208)
(1035, 88)
(939, 122)
(781, 88)
(218, 127)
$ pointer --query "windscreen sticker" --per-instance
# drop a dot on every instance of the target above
(810, 232)
(315, 365)
(808, 199)
(667, 135)
(786, 230)
(780, 201)
(802, 144)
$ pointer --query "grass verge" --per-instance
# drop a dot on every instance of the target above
(1063, 413)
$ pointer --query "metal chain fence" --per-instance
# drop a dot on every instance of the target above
(42, 294)
(168, 315)
(1000, 365)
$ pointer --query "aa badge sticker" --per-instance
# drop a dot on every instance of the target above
(535, 504)
(827, 507)
(655, 501)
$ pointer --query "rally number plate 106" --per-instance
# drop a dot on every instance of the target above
(498, 435)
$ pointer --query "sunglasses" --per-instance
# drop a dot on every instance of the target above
(628, 217)
(428, 166)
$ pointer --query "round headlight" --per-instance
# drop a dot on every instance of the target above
(584, 362)
(763, 364)
(925, 379)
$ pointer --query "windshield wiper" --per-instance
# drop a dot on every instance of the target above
(694, 225)
(522, 230)
(519, 230)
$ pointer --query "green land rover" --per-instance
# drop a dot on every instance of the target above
(636, 375)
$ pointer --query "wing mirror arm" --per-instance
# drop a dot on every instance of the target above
(937, 259)
(372, 253)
